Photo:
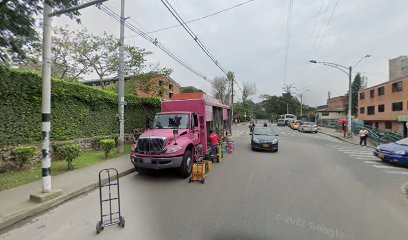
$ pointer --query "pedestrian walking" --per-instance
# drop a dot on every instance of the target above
(214, 141)
(363, 136)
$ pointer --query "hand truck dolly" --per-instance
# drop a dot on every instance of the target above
(109, 218)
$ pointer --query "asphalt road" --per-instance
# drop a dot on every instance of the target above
(315, 187)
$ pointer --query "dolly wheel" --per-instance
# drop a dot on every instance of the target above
(122, 221)
(99, 227)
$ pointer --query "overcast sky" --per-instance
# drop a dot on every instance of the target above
(250, 40)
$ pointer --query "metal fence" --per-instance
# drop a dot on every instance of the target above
(376, 135)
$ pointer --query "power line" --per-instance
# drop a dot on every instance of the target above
(197, 19)
(192, 34)
(154, 41)
(288, 35)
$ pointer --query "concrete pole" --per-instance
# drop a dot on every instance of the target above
(232, 103)
(121, 74)
(287, 108)
(349, 103)
(46, 102)
(301, 105)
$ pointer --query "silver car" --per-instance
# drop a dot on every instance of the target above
(308, 127)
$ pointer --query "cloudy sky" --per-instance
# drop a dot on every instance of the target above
(251, 40)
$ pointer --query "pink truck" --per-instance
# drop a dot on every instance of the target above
(179, 134)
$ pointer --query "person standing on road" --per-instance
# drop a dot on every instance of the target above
(265, 124)
(214, 141)
(363, 136)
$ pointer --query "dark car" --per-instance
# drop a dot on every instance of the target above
(265, 139)
(393, 152)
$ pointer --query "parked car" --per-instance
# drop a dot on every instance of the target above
(281, 122)
(308, 127)
(264, 138)
(393, 152)
(295, 125)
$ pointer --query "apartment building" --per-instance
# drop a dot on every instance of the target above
(385, 105)
(398, 67)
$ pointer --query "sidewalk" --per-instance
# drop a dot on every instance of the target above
(339, 135)
(16, 206)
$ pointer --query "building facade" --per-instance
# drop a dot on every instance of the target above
(398, 67)
(385, 105)
(332, 111)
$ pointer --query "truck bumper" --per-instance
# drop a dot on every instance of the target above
(156, 163)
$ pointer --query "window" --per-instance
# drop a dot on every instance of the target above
(362, 95)
(195, 120)
(170, 87)
(397, 87)
(376, 124)
(170, 95)
(362, 110)
(381, 108)
(372, 93)
(325, 114)
(370, 110)
(381, 91)
(388, 125)
(160, 83)
(397, 106)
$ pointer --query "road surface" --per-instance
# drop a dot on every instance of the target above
(315, 187)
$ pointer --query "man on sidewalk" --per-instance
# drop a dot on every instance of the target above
(214, 141)
(363, 136)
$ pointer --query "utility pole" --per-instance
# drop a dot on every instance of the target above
(121, 95)
(287, 108)
(46, 101)
(301, 105)
(350, 95)
(232, 102)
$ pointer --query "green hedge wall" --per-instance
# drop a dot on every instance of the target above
(78, 111)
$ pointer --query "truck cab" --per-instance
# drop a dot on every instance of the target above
(179, 134)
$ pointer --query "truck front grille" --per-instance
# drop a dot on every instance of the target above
(150, 145)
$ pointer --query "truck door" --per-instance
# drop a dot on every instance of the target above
(195, 130)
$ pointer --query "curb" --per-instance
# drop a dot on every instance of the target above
(42, 207)
(342, 139)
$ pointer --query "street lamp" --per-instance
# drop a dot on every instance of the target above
(301, 102)
(349, 72)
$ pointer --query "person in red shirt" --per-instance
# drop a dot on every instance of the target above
(214, 141)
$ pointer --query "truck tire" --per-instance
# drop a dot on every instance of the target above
(186, 165)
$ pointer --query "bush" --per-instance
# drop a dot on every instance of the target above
(69, 152)
(107, 145)
(25, 154)
(78, 111)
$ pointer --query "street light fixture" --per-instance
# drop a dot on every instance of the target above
(349, 72)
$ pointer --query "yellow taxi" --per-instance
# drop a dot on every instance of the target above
(295, 125)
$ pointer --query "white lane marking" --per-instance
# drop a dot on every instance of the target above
(384, 166)
(242, 132)
(365, 155)
(371, 162)
(367, 158)
(396, 172)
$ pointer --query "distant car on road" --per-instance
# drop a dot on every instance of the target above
(295, 125)
(393, 152)
(281, 122)
(264, 138)
(308, 127)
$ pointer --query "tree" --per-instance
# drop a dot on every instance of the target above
(355, 87)
(221, 88)
(18, 26)
(104, 57)
(248, 89)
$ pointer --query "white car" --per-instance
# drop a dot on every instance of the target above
(308, 127)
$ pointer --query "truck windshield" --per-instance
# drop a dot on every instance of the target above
(171, 121)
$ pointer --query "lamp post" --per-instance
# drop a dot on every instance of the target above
(349, 72)
(301, 103)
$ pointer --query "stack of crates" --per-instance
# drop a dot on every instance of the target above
(198, 173)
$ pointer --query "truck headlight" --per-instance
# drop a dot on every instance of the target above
(172, 150)
(401, 152)
(274, 141)
(256, 140)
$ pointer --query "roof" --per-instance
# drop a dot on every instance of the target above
(127, 77)
(331, 110)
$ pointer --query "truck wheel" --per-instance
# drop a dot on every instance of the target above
(186, 165)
